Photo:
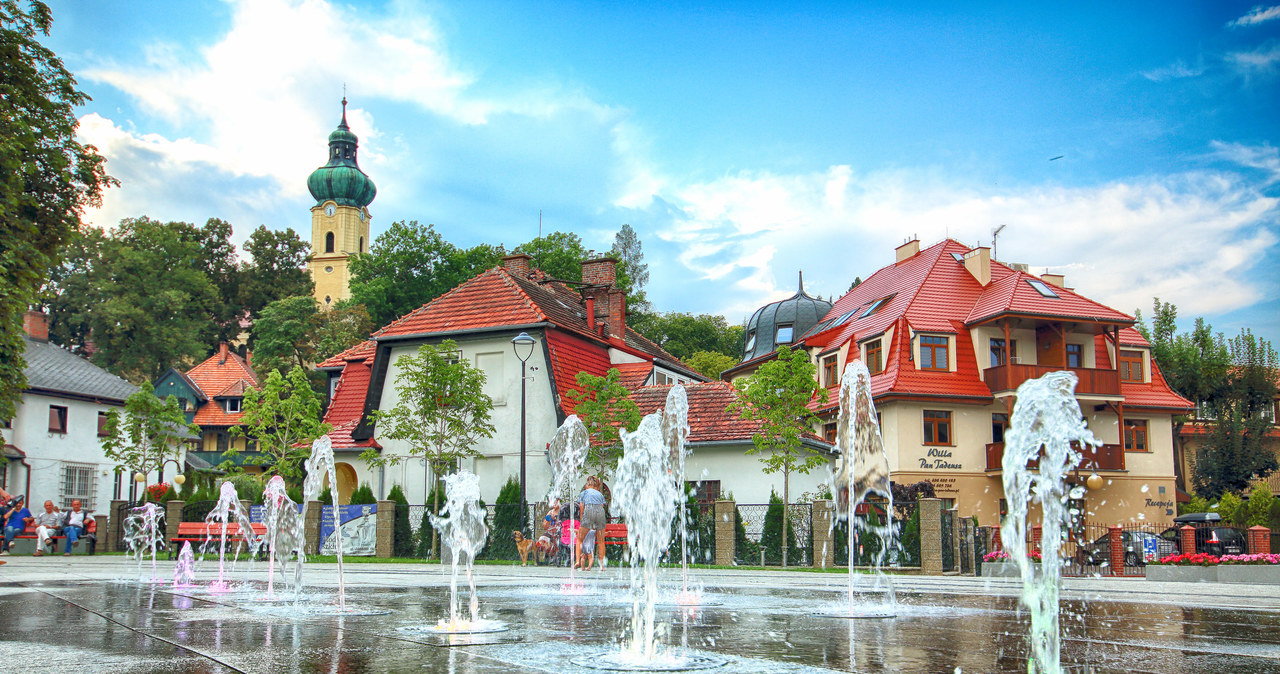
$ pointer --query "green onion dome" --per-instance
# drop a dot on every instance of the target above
(341, 180)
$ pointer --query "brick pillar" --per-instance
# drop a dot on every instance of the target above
(724, 511)
(1187, 535)
(111, 542)
(103, 532)
(1037, 533)
(1116, 544)
(386, 528)
(311, 525)
(823, 541)
(1259, 540)
(930, 536)
(172, 517)
(996, 542)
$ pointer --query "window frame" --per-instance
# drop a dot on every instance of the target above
(830, 365)
(60, 413)
(86, 476)
(876, 365)
(102, 424)
(997, 354)
(1078, 353)
(933, 350)
(1137, 431)
(829, 432)
(236, 402)
(1125, 360)
(941, 425)
(330, 242)
(1003, 424)
(751, 341)
(791, 333)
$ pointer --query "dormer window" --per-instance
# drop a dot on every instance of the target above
(876, 306)
(933, 352)
(751, 341)
(233, 405)
(784, 334)
(1131, 368)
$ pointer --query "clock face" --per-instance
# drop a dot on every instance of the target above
(362, 216)
(329, 210)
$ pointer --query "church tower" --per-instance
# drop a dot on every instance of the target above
(340, 216)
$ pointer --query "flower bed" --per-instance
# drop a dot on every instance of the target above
(1203, 567)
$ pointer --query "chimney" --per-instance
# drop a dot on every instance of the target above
(908, 249)
(36, 325)
(517, 264)
(617, 314)
(600, 271)
(978, 263)
(222, 353)
(1054, 280)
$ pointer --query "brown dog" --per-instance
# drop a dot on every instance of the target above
(523, 546)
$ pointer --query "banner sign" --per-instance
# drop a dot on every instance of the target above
(258, 513)
(359, 530)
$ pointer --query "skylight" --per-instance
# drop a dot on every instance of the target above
(843, 317)
(958, 257)
(875, 306)
(1041, 287)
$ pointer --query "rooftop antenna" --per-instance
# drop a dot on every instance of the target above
(995, 233)
(539, 223)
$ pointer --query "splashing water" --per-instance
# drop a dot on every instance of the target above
(567, 452)
(142, 533)
(675, 431)
(284, 533)
(184, 573)
(863, 470)
(217, 525)
(317, 466)
(1045, 424)
(463, 530)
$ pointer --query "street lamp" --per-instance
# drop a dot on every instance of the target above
(178, 479)
(522, 344)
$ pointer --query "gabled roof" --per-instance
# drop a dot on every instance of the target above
(221, 374)
(1011, 293)
(52, 369)
(634, 375)
(710, 416)
(347, 406)
(569, 355)
(235, 389)
(175, 374)
(360, 351)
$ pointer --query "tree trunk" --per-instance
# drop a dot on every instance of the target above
(786, 515)
(435, 511)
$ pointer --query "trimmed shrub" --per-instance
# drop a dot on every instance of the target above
(423, 538)
(326, 497)
(771, 537)
(1197, 504)
(1229, 508)
(402, 537)
(362, 495)
(1259, 507)
(506, 519)
(909, 540)
(294, 494)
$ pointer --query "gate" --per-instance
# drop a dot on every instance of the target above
(966, 545)
(948, 541)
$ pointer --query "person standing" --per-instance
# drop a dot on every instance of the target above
(16, 518)
(47, 524)
(592, 504)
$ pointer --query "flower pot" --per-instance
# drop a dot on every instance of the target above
(1260, 574)
(1182, 574)
(1004, 569)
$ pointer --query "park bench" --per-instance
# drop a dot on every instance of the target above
(615, 534)
(199, 533)
(25, 542)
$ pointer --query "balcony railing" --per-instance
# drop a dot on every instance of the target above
(1106, 457)
(1092, 381)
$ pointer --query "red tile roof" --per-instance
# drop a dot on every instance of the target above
(360, 351)
(1012, 294)
(347, 406)
(634, 375)
(711, 418)
(1155, 395)
(223, 374)
(570, 355)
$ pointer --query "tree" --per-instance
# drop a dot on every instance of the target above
(149, 432)
(558, 254)
(604, 405)
(777, 396)
(633, 273)
(408, 266)
(284, 418)
(47, 177)
(683, 335)
(276, 269)
(441, 413)
(343, 326)
(284, 334)
(402, 535)
(507, 517)
(710, 363)
(1238, 449)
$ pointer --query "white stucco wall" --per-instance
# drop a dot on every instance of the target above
(743, 474)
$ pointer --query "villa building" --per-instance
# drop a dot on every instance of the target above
(948, 334)
(210, 395)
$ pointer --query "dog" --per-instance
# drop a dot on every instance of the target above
(524, 546)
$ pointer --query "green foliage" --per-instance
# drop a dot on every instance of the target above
(1259, 506)
(909, 540)
(284, 417)
(343, 326)
(169, 495)
(362, 495)
(326, 496)
(402, 534)
(684, 335)
(426, 533)
(294, 493)
(276, 268)
(771, 537)
(558, 254)
(745, 550)
(409, 265)
(632, 272)
(1229, 506)
(150, 431)
(1197, 504)
(47, 176)
(248, 487)
(710, 363)
(506, 519)
(700, 536)
(294, 332)
(604, 405)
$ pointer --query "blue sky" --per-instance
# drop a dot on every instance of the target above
(743, 142)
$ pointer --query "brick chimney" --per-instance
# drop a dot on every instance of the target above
(517, 264)
(36, 324)
(617, 314)
(908, 249)
(605, 302)
(222, 353)
(600, 271)
(1054, 280)
(978, 263)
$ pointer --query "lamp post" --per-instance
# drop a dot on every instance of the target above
(522, 344)
(178, 479)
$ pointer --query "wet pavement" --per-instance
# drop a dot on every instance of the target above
(92, 614)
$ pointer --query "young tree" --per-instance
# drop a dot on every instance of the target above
(605, 406)
(149, 432)
(777, 396)
(284, 418)
(632, 269)
(710, 363)
(47, 176)
(1238, 448)
(441, 412)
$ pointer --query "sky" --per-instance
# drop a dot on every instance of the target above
(1130, 146)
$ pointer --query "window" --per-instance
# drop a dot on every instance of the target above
(829, 377)
(361, 248)
(224, 441)
(1135, 435)
(829, 432)
(937, 427)
(102, 424)
(876, 306)
(784, 334)
(751, 341)
(843, 317)
(183, 404)
(233, 405)
(933, 352)
(706, 491)
(79, 481)
(997, 350)
(328, 242)
(1041, 287)
(1131, 366)
(57, 419)
(6, 423)
(1075, 355)
(875, 358)
(999, 422)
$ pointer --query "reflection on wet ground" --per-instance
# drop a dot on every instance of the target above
(131, 627)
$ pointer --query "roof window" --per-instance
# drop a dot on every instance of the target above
(876, 306)
(843, 317)
(958, 257)
(785, 334)
(1041, 287)
(751, 341)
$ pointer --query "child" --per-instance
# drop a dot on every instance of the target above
(588, 550)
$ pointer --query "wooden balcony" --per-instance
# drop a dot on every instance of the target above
(1092, 381)
(1106, 457)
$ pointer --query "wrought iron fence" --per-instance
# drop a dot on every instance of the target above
(758, 534)
(196, 511)
(948, 540)
(122, 511)
(966, 542)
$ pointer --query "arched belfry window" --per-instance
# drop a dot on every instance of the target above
(361, 248)
(328, 242)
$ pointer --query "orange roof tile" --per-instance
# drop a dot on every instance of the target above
(360, 351)
(634, 375)
(569, 356)
(711, 418)
(224, 373)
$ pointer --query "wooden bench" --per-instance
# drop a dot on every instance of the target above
(615, 534)
(21, 546)
(198, 533)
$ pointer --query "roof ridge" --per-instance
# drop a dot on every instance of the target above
(509, 279)
(914, 289)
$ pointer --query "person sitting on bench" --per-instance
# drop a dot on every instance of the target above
(74, 525)
(47, 525)
(16, 518)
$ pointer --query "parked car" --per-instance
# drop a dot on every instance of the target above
(1135, 545)
(1215, 540)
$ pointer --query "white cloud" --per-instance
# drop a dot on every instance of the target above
(1175, 71)
(1191, 239)
(1263, 157)
(1255, 16)
(1262, 59)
